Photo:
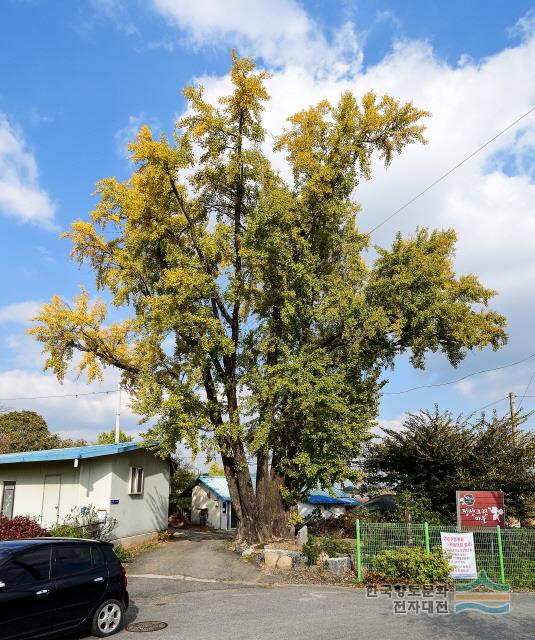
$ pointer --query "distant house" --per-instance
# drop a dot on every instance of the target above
(211, 503)
(123, 481)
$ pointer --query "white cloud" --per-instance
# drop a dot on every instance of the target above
(117, 12)
(395, 424)
(128, 133)
(278, 31)
(21, 196)
(83, 416)
(19, 312)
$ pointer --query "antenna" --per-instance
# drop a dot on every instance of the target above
(118, 414)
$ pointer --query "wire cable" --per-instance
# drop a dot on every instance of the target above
(487, 405)
(527, 388)
(469, 375)
(65, 395)
(450, 171)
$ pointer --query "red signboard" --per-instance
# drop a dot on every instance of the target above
(480, 509)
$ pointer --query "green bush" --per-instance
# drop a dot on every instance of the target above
(68, 531)
(331, 546)
(412, 564)
(123, 554)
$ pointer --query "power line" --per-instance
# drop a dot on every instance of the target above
(65, 395)
(487, 405)
(469, 375)
(450, 171)
(527, 388)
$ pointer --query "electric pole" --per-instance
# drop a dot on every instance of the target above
(512, 407)
(118, 415)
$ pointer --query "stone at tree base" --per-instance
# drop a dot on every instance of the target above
(302, 536)
(284, 563)
(270, 558)
(339, 565)
(247, 552)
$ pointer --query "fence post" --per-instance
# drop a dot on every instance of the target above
(357, 555)
(500, 554)
(426, 538)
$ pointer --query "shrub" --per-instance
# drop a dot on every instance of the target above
(123, 554)
(68, 531)
(87, 522)
(331, 546)
(412, 564)
(20, 527)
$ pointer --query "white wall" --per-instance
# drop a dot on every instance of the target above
(203, 498)
(96, 481)
(78, 486)
(145, 513)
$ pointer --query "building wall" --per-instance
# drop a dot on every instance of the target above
(203, 498)
(140, 514)
(88, 484)
(95, 482)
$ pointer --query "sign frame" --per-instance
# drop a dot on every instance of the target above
(480, 509)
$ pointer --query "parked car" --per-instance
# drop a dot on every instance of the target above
(52, 586)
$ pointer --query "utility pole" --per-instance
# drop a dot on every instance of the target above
(118, 414)
(512, 407)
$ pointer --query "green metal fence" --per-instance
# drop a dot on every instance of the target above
(507, 555)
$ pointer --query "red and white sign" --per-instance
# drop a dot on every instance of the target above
(459, 550)
(480, 509)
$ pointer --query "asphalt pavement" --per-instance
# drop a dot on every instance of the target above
(221, 611)
(204, 591)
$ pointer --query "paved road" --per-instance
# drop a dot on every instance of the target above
(204, 611)
(205, 592)
(200, 554)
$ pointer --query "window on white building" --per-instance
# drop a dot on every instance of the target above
(136, 480)
(8, 498)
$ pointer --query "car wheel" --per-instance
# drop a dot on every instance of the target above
(108, 619)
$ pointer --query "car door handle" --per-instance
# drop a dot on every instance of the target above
(42, 593)
(98, 579)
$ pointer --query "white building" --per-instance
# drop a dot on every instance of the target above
(122, 481)
(211, 504)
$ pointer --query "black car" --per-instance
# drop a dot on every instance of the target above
(52, 586)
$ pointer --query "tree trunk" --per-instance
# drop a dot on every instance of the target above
(261, 514)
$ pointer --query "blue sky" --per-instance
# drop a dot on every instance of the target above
(78, 78)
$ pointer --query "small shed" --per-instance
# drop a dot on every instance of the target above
(123, 481)
(211, 504)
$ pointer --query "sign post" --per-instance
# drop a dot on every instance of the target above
(480, 509)
(459, 550)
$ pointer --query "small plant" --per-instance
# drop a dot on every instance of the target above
(87, 522)
(332, 547)
(295, 519)
(68, 531)
(20, 527)
(412, 564)
(124, 555)
(165, 535)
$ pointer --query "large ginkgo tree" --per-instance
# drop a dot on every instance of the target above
(256, 327)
